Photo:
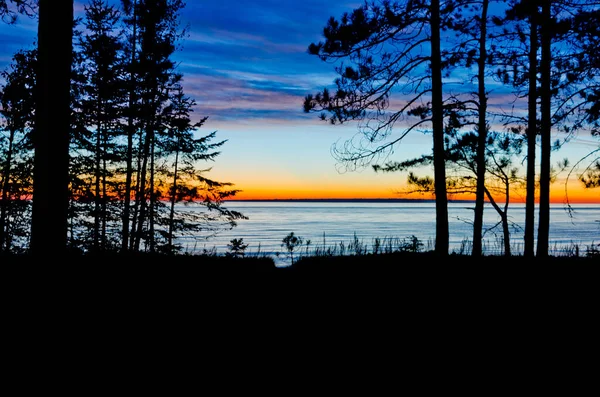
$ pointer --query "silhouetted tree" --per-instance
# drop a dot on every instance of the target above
(99, 130)
(587, 41)
(482, 129)
(529, 236)
(52, 127)
(591, 176)
(384, 41)
(518, 65)
(546, 34)
(442, 238)
(466, 45)
(103, 102)
(9, 9)
(562, 73)
(163, 155)
(469, 21)
(158, 33)
(557, 79)
(16, 168)
(179, 179)
(502, 152)
(131, 11)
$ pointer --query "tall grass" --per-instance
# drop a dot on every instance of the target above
(391, 244)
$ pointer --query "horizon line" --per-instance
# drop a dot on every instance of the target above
(397, 200)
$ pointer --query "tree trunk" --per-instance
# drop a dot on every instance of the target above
(52, 126)
(439, 162)
(531, 136)
(6, 176)
(152, 208)
(546, 127)
(141, 196)
(506, 233)
(130, 133)
(138, 186)
(173, 199)
(503, 213)
(104, 194)
(97, 181)
(482, 135)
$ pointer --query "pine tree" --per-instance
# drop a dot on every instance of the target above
(159, 32)
(10, 9)
(16, 169)
(51, 164)
(102, 106)
(183, 180)
(383, 40)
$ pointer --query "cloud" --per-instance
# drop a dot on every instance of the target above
(231, 95)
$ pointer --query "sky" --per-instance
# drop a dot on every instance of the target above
(246, 64)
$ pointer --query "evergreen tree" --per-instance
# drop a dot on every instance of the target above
(184, 181)
(102, 106)
(384, 42)
(542, 62)
(159, 133)
(130, 9)
(466, 52)
(159, 32)
(52, 129)
(16, 169)
(586, 39)
(9, 9)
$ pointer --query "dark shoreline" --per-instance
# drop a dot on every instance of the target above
(354, 200)
(198, 282)
(390, 262)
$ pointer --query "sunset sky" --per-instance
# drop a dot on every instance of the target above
(246, 64)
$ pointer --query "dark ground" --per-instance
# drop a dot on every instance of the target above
(385, 268)
(454, 298)
(413, 319)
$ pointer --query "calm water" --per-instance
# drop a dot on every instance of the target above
(332, 223)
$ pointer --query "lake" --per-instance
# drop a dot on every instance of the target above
(342, 223)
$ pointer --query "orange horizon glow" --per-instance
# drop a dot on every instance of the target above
(557, 196)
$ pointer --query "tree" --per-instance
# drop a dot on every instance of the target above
(466, 47)
(158, 32)
(384, 42)
(102, 105)
(180, 174)
(529, 239)
(52, 127)
(290, 243)
(502, 181)
(237, 248)
(502, 154)
(587, 42)
(518, 65)
(482, 130)
(437, 120)
(9, 9)
(165, 166)
(131, 11)
(94, 144)
(17, 109)
(545, 128)
(558, 83)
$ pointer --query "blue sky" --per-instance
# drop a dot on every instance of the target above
(246, 64)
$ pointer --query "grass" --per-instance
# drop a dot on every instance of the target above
(389, 255)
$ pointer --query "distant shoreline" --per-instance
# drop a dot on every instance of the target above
(354, 200)
(372, 200)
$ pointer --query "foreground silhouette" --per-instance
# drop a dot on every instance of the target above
(386, 263)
